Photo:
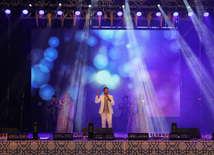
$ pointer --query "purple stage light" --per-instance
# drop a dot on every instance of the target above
(139, 13)
(41, 12)
(59, 12)
(99, 13)
(175, 14)
(77, 13)
(119, 13)
(158, 14)
(25, 11)
(7, 11)
(190, 14)
(206, 14)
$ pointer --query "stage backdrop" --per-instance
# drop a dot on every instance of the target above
(84, 61)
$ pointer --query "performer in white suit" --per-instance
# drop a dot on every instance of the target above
(106, 110)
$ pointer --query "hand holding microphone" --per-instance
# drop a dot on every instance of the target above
(108, 98)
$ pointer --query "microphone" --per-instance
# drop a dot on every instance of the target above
(109, 98)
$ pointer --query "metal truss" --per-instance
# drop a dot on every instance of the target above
(110, 4)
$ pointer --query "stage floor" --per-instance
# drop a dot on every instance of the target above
(148, 147)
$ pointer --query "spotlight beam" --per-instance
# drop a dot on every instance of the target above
(198, 70)
(143, 86)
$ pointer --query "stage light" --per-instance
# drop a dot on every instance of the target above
(119, 13)
(77, 13)
(25, 11)
(60, 4)
(7, 11)
(123, 6)
(175, 14)
(89, 6)
(59, 12)
(99, 13)
(158, 14)
(190, 14)
(206, 14)
(41, 12)
(30, 5)
(139, 13)
(158, 5)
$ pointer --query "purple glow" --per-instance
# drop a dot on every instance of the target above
(77, 13)
(158, 14)
(119, 13)
(99, 13)
(7, 11)
(59, 12)
(175, 14)
(190, 14)
(206, 14)
(139, 13)
(25, 12)
(41, 12)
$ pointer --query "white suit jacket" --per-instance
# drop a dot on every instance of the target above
(101, 99)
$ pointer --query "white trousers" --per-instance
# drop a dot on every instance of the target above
(108, 117)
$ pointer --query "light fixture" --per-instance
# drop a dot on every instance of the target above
(89, 5)
(77, 13)
(41, 12)
(206, 14)
(190, 14)
(119, 13)
(123, 6)
(99, 13)
(158, 14)
(25, 11)
(139, 13)
(175, 14)
(59, 12)
(7, 11)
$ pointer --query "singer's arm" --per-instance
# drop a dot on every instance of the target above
(112, 100)
(97, 100)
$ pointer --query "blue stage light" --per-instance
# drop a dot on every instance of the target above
(46, 92)
(99, 13)
(50, 54)
(7, 11)
(92, 41)
(41, 12)
(77, 13)
(90, 74)
(119, 13)
(38, 77)
(103, 77)
(53, 42)
(106, 34)
(59, 12)
(25, 11)
(100, 61)
(115, 53)
(45, 65)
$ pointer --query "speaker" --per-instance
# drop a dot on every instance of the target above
(212, 136)
(103, 130)
(17, 136)
(179, 136)
(63, 136)
(138, 136)
(104, 136)
(193, 132)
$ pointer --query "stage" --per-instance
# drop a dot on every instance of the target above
(45, 146)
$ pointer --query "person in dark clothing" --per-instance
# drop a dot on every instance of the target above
(52, 120)
(124, 113)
